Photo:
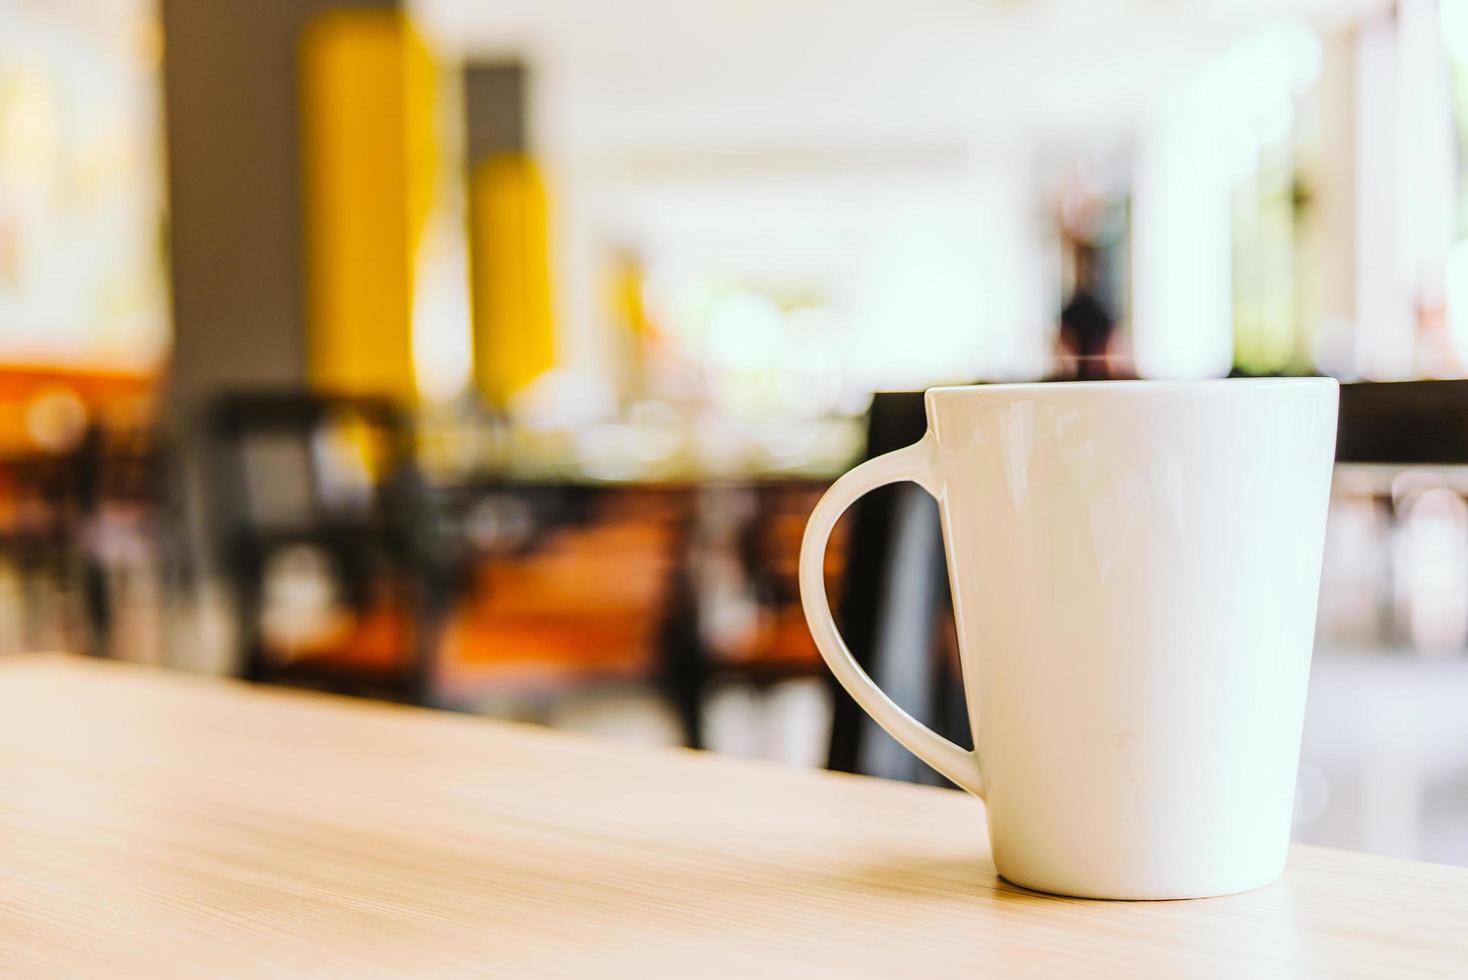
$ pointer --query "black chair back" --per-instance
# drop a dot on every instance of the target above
(895, 610)
(336, 474)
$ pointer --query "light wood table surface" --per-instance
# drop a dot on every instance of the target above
(156, 824)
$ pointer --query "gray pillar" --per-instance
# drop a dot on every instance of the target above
(231, 70)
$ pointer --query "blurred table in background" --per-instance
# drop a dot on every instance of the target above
(159, 824)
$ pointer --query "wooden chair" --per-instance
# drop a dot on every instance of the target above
(582, 597)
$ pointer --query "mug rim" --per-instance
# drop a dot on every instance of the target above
(1137, 385)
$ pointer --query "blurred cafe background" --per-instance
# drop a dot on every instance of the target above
(490, 356)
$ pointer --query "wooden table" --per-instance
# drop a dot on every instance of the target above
(155, 824)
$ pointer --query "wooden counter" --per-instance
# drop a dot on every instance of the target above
(156, 824)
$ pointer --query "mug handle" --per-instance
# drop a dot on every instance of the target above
(910, 464)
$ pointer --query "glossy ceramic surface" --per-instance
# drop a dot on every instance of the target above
(1134, 568)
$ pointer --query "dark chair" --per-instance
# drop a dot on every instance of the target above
(124, 514)
(336, 476)
(895, 611)
(742, 537)
(38, 524)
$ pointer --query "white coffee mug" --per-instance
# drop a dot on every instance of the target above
(1134, 568)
